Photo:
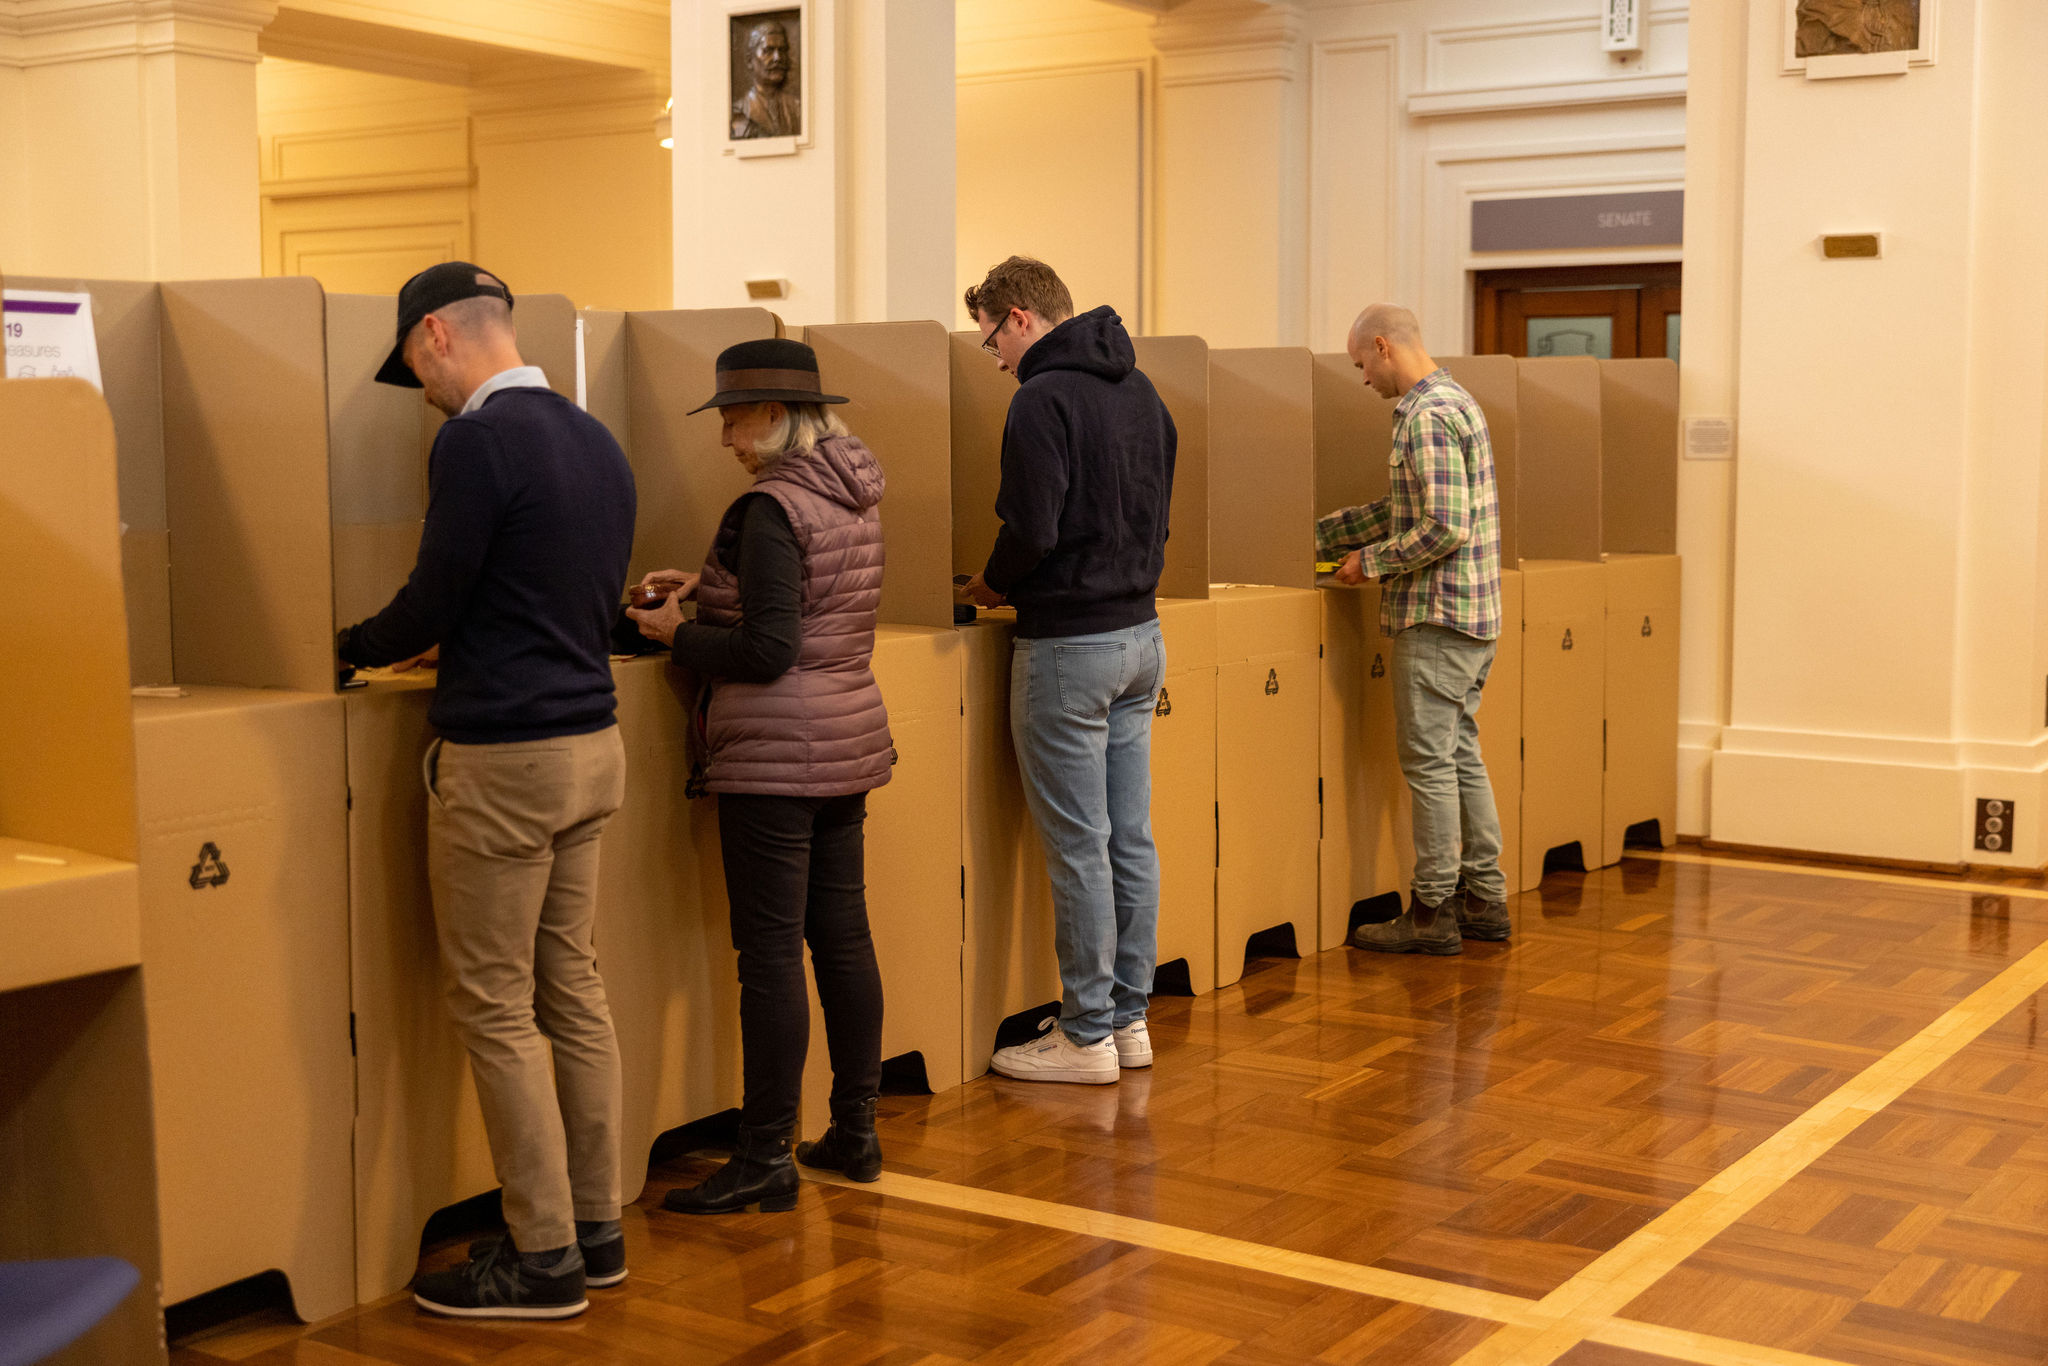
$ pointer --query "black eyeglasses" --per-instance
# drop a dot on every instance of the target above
(988, 343)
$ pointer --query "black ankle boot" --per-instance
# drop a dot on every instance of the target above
(849, 1145)
(760, 1172)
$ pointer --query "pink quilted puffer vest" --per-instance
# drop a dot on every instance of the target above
(820, 730)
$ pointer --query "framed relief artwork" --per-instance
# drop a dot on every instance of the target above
(1830, 38)
(767, 112)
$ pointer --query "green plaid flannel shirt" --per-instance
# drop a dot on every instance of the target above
(1434, 540)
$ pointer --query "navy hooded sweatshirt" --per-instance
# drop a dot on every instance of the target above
(1088, 454)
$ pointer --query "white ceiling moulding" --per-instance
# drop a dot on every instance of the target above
(618, 33)
(1561, 95)
(51, 32)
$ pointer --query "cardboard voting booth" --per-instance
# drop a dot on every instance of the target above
(1261, 425)
(1184, 788)
(243, 804)
(1639, 489)
(914, 887)
(1564, 610)
(75, 1076)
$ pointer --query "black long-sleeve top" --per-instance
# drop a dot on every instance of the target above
(770, 567)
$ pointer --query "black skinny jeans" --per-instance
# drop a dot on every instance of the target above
(795, 873)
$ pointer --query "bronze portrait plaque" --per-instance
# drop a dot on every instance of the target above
(1833, 28)
(767, 75)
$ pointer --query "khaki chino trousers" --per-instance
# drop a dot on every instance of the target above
(512, 842)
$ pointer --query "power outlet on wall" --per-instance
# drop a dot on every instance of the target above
(1994, 825)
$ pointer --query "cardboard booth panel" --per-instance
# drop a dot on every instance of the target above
(980, 407)
(127, 321)
(243, 800)
(604, 369)
(64, 914)
(1639, 452)
(68, 777)
(913, 858)
(1564, 679)
(1500, 728)
(1642, 699)
(74, 1093)
(1366, 849)
(1495, 384)
(685, 479)
(664, 941)
(245, 451)
(1009, 962)
(899, 377)
(1179, 370)
(1184, 788)
(1354, 435)
(1558, 458)
(1262, 493)
(1267, 698)
(419, 1138)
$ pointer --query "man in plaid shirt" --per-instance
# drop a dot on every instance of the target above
(1434, 544)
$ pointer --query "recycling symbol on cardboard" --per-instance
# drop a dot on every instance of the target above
(1164, 707)
(1272, 682)
(1567, 637)
(1646, 627)
(211, 870)
(1379, 666)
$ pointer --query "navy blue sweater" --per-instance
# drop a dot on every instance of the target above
(521, 567)
(1088, 453)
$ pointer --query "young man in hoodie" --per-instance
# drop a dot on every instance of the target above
(1088, 453)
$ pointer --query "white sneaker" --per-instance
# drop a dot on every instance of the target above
(1052, 1056)
(1134, 1045)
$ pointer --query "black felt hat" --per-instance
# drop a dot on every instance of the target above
(774, 370)
(430, 291)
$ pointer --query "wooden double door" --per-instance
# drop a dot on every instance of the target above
(1614, 312)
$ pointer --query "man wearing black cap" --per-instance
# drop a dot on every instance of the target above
(522, 562)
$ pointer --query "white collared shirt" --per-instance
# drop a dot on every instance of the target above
(518, 377)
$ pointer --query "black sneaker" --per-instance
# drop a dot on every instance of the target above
(604, 1264)
(500, 1284)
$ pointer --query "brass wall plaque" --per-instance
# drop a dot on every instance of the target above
(1859, 246)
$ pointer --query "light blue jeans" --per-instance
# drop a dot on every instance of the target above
(1438, 674)
(1081, 719)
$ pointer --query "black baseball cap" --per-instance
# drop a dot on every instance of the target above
(772, 370)
(430, 291)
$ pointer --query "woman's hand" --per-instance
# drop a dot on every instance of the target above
(660, 623)
(675, 580)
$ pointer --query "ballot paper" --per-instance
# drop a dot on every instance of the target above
(49, 336)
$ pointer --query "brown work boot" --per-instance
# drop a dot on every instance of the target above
(1419, 929)
(1486, 921)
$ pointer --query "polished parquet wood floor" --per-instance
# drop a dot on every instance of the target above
(1702, 1109)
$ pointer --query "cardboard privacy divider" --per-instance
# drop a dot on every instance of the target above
(1564, 678)
(128, 323)
(1184, 788)
(1639, 448)
(378, 436)
(1367, 848)
(1261, 514)
(1500, 727)
(1008, 962)
(980, 405)
(1179, 370)
(75, 1076)
(913, 856)
(643, 373)
(899, 378)
(1558, 458)
(245, 881)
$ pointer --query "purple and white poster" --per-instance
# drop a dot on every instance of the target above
(50, 336)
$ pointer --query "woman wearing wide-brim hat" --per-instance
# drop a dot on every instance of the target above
(793, 736)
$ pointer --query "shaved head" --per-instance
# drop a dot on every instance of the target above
(1391, 321)
(479, 317)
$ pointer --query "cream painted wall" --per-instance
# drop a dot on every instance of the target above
(559, 184)
(859, 220)
(1886, 653)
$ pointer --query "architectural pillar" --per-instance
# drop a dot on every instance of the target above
(128, 137)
